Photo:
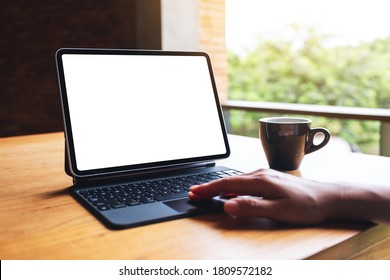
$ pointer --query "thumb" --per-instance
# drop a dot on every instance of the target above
(249, 207)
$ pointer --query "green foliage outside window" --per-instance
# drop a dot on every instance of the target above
(312, 73)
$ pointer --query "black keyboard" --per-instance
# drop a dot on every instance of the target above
(131, 194)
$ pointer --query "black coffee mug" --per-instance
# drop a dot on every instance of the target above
(286, 140)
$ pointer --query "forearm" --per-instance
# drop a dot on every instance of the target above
(362, 203)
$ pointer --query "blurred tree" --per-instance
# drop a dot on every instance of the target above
(308, 71)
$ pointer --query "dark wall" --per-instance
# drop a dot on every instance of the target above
(30, 34)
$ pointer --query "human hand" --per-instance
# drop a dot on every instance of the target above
(274, 195)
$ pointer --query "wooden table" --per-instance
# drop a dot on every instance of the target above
(40, 220)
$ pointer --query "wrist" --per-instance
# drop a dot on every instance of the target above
(357, 202)
(331, 201)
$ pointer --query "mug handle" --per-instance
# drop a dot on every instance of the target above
(311, 147)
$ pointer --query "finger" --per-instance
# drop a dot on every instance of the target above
(277, 210)
(222, 187)
(249, 184)
(194, 196)
(249, 207)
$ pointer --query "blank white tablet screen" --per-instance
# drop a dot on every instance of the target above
(136, 109)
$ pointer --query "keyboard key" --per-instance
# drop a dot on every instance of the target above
(147, 200)
(116, 206)
(132, 203)
(103, 208)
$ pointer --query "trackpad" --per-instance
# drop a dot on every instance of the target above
(187, 206)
